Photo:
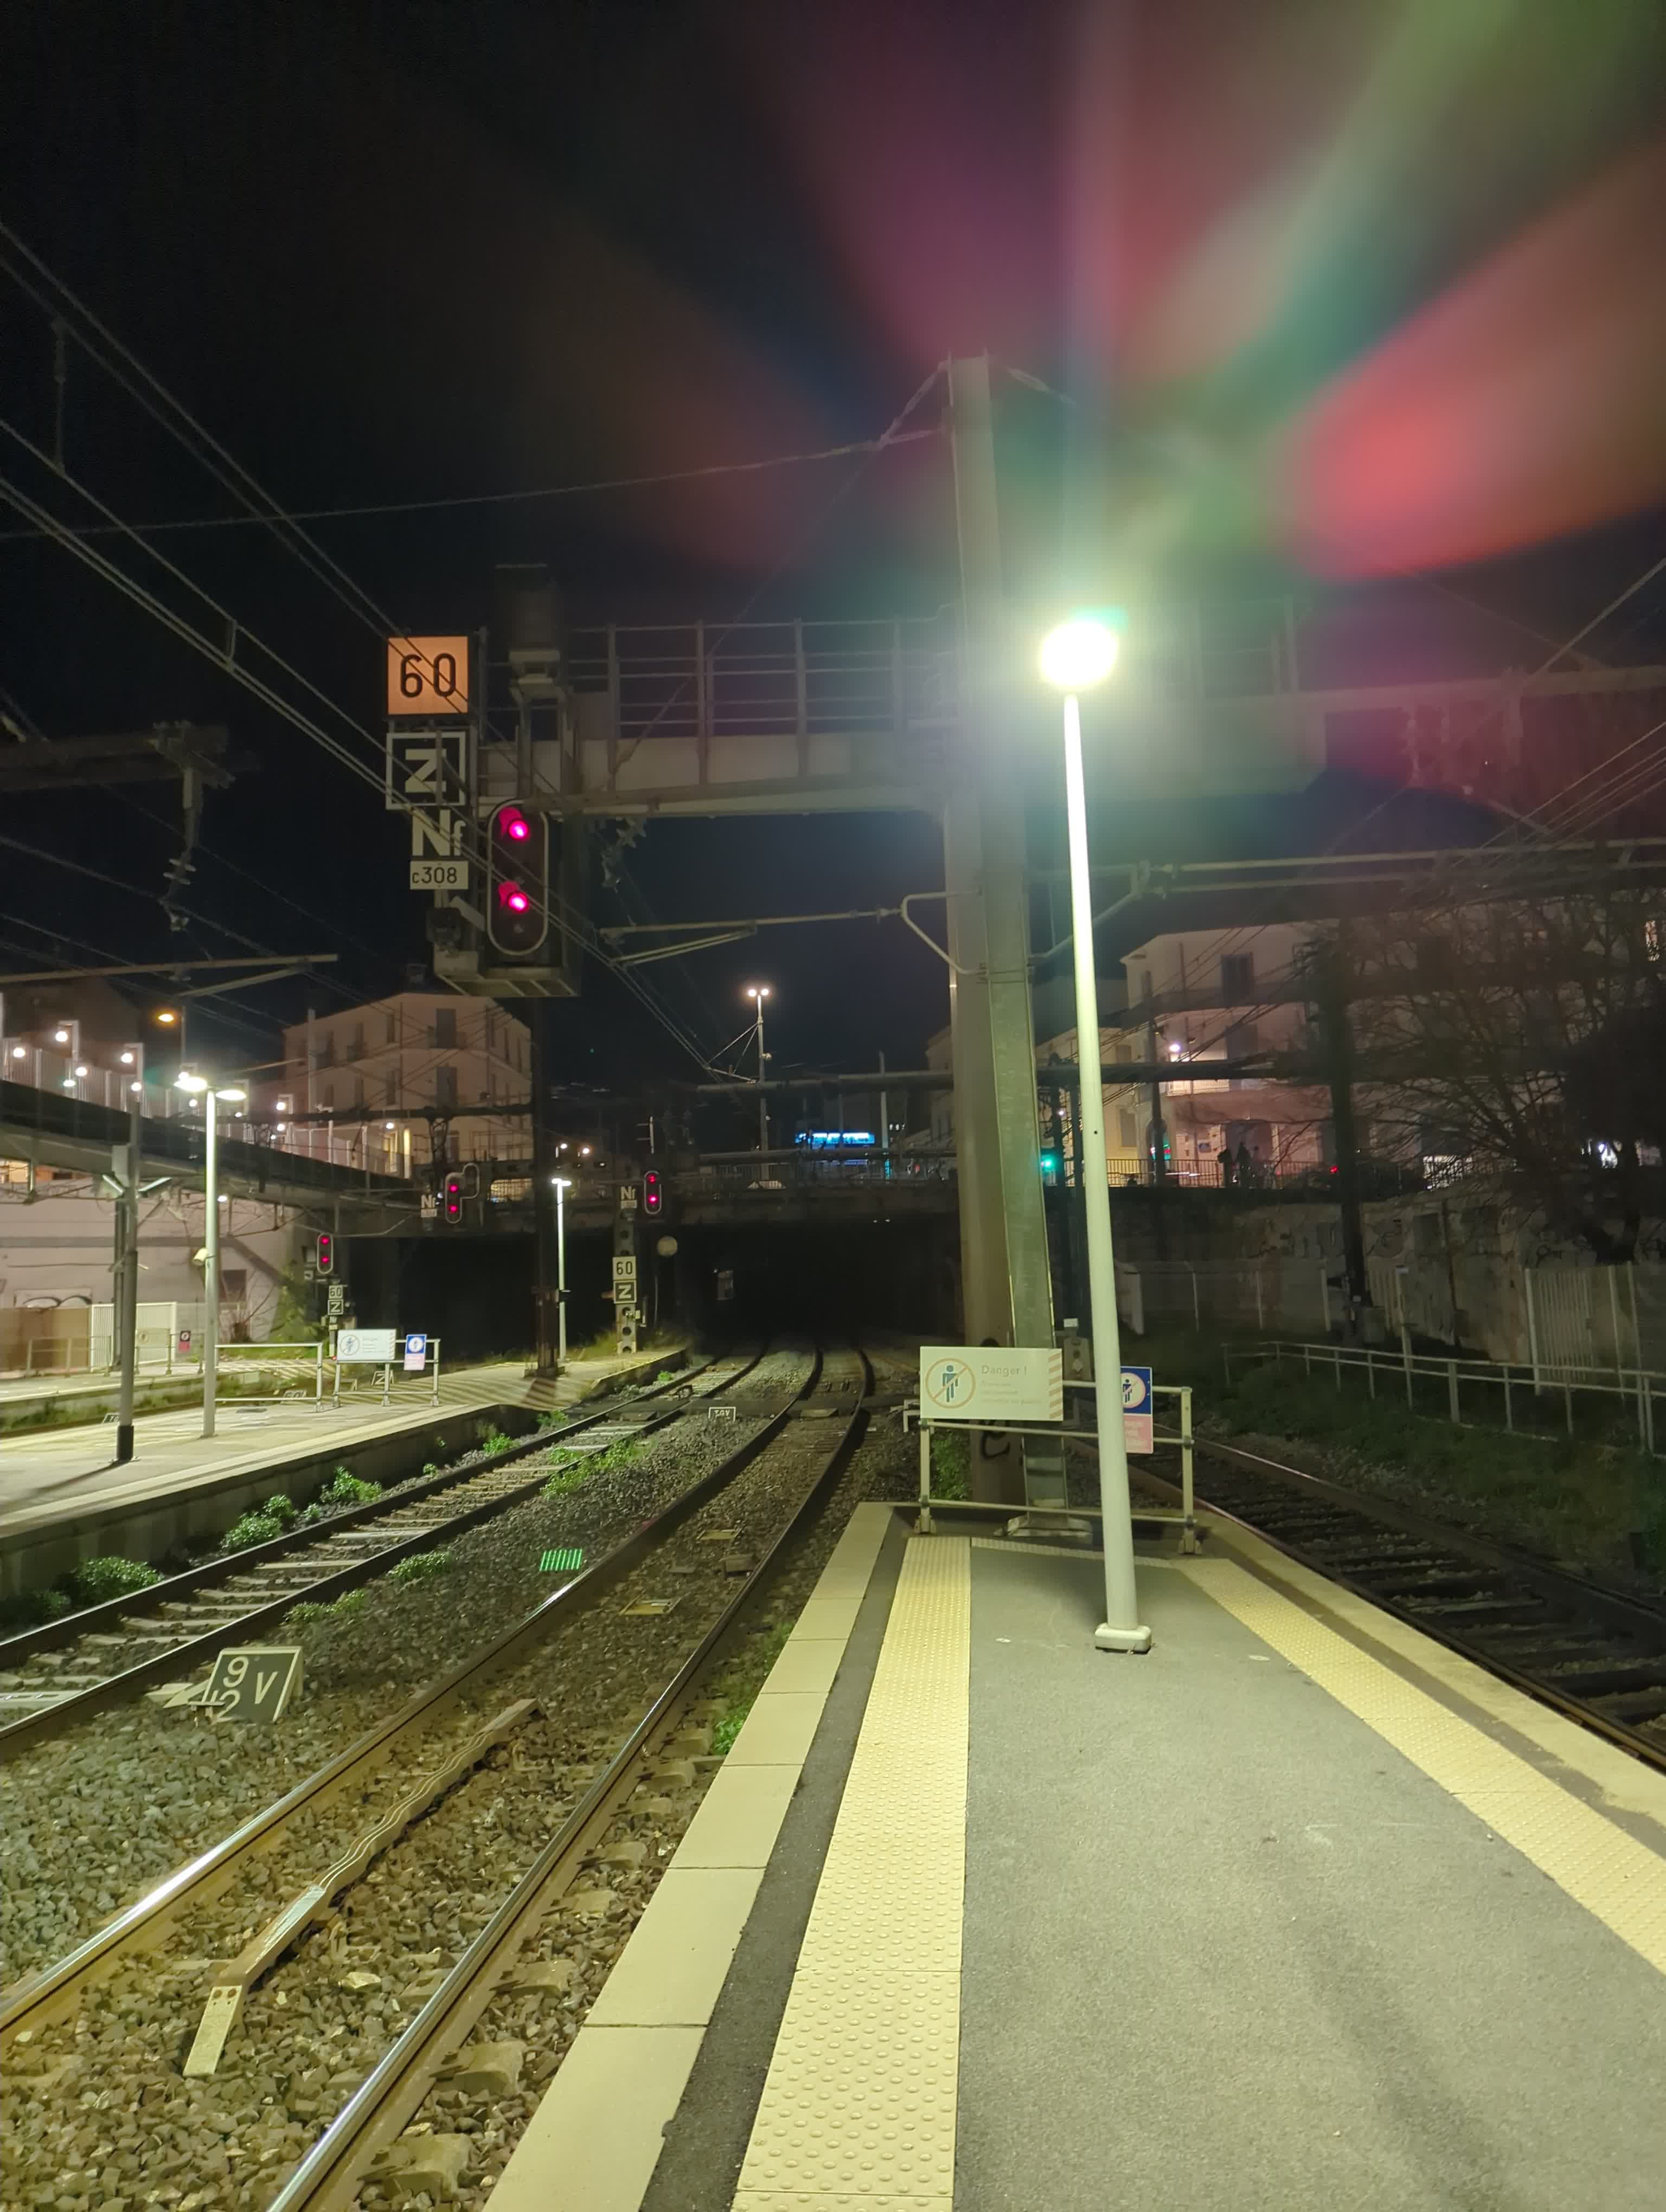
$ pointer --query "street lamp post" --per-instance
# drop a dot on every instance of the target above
(198, 1087)
(563, 1184)
(758, 992)
(1078, 654)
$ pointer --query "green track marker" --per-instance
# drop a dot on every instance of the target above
(561, 1563)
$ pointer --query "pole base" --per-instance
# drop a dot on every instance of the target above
(1121, 1639)
(123, 1443)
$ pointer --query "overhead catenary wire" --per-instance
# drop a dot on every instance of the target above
(650, 481)
(177, 419)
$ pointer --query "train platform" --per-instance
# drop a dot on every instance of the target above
(1299, 1911)
(53, 1479)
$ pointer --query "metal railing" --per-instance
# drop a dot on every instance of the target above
(805, 679)
(1425, 1377)
(387, 1388)
(297, 1373)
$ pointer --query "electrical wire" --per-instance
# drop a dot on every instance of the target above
(175, 417)
(645, 482)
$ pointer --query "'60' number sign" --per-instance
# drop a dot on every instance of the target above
(428, 676)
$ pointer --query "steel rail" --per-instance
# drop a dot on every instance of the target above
(185, 1656)
(327, 2178)
(46, 1994)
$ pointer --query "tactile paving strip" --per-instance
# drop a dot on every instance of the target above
(1616, 1878)
(859, 2108)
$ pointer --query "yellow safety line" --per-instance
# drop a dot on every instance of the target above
(858, 2106)
(1616, 1878)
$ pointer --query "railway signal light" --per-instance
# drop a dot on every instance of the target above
(451, 1201)
(518, 881)
(653, 1196)
(324, 1258)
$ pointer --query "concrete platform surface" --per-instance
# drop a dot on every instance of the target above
(63, 1473)
(1226, 1944)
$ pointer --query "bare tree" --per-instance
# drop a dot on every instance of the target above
(1524, 1039)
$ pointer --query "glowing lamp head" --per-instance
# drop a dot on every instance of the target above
(511, 896)
(1079, 653)
(512, 824)
(60, 1037)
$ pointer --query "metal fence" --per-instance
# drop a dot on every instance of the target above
(1534, 1400)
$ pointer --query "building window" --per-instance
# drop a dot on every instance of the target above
(1242, 1040)
(445, 1087)
(355, 1044)
(324, 1054)
(445, 1029)
(1238, 976)
(390, 1090)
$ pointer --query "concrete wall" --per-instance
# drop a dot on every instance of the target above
(60, 1249)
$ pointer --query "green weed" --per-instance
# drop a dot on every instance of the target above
(99, 1580)
(420, 1567)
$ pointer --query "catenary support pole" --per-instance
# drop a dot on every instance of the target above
(1006, 1281)
(128, 1288)
(210, 1258)
(1121, 1629)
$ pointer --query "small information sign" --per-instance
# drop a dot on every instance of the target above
(415, 1354)
(253, 1684)
(371, 1346)
(990, 1382)
(1137, 1410)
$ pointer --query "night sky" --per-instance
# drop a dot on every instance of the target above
(1277, 257)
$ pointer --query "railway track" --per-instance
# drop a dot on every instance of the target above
(1596, 1654)
(359, 1931)
(53, 1677)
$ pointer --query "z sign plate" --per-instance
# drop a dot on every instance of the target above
(428, 676)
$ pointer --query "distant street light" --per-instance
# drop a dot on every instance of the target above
(1076, 655)
(198, 1089)
(758, 992)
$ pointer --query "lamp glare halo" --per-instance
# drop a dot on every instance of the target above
(1079, 653)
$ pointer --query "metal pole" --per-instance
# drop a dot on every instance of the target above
(885, 1125)
(129, 1288)
(211, 1265)
(561, 1275)
(762, 1095)
(1121, 1629)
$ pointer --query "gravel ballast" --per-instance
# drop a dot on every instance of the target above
(101, 2115)
(94, 1818)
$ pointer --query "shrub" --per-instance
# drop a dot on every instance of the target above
(98, 1580)
(566, 1479)
(430, 1466)
(298, 1616)
(250, 1529)
(259, 1527)
(494, 1440)
(420, 1567)
(346, 1489)
(349, 1602)
(950, 1465)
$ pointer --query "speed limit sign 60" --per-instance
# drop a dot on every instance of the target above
(428, 676)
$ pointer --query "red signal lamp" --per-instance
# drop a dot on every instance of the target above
(514, 824)
(512, 897)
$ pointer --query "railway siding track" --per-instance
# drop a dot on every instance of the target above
(68, 1669)
(1597, 1654)
(545, 1766)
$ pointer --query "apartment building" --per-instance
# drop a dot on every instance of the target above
(1231, 994)
(389, 1068)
